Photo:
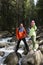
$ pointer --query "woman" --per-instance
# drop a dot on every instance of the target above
(32, 34)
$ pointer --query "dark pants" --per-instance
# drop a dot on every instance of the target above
(24, 40)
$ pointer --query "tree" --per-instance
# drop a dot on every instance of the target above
(14, 12)
(40, 11)
(29, 11)
(8, 14)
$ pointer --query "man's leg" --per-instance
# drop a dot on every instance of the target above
(24, 40)
(17, 45)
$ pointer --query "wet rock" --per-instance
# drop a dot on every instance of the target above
(12, 59)
(12, 43)
(4, 34)
(32, 58)
(2, 53)
(13, 39)
(3, 45)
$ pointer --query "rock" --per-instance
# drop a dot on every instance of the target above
(38, 58)
(4, 34)
(13, 39)
(40, 42)
(25, 52)
(41, 48)
(2, 53)
(31, 46)
(3, 45)
(32, 58)
(12, 59)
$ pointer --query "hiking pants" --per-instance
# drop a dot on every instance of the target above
(24, 40)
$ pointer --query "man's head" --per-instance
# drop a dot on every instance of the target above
(21, 25)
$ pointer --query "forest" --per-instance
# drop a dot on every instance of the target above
(14, 12)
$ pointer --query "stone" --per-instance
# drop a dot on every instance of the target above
(12, 59)
(41, 48)
(3, 45)
(2, 53)
(32, 58)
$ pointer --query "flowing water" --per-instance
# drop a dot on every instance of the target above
(9, 50)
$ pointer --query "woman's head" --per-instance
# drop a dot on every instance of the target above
(32, 23)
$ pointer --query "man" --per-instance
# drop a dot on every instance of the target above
(33, 33)
(20, 35)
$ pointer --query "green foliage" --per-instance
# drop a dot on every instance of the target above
(13, 12)
(8, 14)
(40, 11)
(29, 11)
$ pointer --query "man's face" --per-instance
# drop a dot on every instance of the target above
(21, 25)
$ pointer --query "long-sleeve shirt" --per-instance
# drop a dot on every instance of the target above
(33, 31)
(20, 33)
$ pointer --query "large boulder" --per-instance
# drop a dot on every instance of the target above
(38, 58)
(12, 59)
(32, 58)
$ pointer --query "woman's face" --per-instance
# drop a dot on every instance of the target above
(32, 23)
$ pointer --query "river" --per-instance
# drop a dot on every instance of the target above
(10, 49)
